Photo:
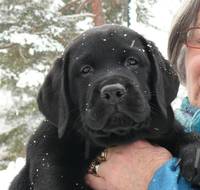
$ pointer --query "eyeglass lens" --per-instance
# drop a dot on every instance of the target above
(193, 38)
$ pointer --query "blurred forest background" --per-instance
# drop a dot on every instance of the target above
(32, 34)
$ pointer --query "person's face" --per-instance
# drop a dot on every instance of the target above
(192, 65)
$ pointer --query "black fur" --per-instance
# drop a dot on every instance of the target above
(111, 86)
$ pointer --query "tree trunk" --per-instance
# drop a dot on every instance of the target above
(98, 12)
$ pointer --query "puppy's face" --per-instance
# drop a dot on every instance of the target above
(109, 78)
(116, 82)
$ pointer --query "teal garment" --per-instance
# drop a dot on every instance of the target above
(188, 116)
(168, 176)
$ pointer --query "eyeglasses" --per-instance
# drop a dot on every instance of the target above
(193, 37)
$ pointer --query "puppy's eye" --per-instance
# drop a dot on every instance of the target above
(131, 62)
(86, 69)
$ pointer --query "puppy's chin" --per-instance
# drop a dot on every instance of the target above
(115, 118)
(117, 131)
(119, 123)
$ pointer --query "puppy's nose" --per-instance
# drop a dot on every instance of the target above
(113, 93)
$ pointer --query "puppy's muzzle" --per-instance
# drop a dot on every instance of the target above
(113, 93)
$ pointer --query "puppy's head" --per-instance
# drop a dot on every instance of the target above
(115, 80)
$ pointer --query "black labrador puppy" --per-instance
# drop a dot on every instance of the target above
(111, 86)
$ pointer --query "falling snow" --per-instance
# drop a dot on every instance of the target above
(43, 43)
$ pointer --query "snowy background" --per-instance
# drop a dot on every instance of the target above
(162, 13)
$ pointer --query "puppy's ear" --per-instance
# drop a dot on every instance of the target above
(164, 80)
(52, 98)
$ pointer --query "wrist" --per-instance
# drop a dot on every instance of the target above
(155, 164)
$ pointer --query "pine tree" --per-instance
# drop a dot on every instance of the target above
(32, 34)
(142, 12)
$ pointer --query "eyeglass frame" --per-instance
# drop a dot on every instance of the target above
(185, 37)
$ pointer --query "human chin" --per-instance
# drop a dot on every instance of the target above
(194, 97)
(198, 100)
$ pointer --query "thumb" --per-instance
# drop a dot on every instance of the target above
(96, 183)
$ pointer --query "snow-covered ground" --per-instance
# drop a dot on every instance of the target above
(12, 170)
(163, 14)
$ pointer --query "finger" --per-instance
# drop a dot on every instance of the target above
(106, 166)
(96, 183)
(140, 144)
(102, 169)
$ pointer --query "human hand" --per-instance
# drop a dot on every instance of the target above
(129, 167)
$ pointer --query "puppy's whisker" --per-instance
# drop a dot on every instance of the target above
(154, 108)
(153, 93)
(71, 111)
(76, 123)
(78, 120)
(81, 109)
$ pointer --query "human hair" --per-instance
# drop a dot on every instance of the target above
(176, 43)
